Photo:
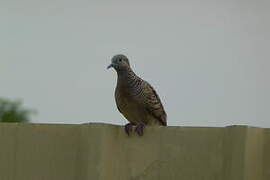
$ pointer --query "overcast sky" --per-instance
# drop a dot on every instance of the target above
(208, 60)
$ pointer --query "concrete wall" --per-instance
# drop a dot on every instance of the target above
(104, 152)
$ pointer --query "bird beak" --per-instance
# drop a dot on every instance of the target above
(110, 66)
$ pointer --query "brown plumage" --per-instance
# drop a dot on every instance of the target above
(135, 98)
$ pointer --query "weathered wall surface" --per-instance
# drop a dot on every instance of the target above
(104, 152)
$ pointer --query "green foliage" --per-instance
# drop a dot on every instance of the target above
(12, 111)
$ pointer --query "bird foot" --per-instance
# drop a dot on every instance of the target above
(139, 129)
(129, 128)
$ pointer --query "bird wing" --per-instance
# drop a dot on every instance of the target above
(153, 104)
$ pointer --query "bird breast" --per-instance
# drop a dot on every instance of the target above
(128, 106)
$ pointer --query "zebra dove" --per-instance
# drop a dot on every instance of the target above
(135, 98)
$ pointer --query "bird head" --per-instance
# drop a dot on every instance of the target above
(119, 62)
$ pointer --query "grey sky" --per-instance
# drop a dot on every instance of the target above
(208, 60)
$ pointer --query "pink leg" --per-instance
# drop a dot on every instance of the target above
(128, 128)
(139, 129)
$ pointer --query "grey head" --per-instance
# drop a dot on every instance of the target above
(119, 62)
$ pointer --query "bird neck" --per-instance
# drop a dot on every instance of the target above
(126, 75)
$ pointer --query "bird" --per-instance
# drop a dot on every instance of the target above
(135, 98)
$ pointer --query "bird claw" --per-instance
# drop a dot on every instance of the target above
(129, 128)
(139, 129)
